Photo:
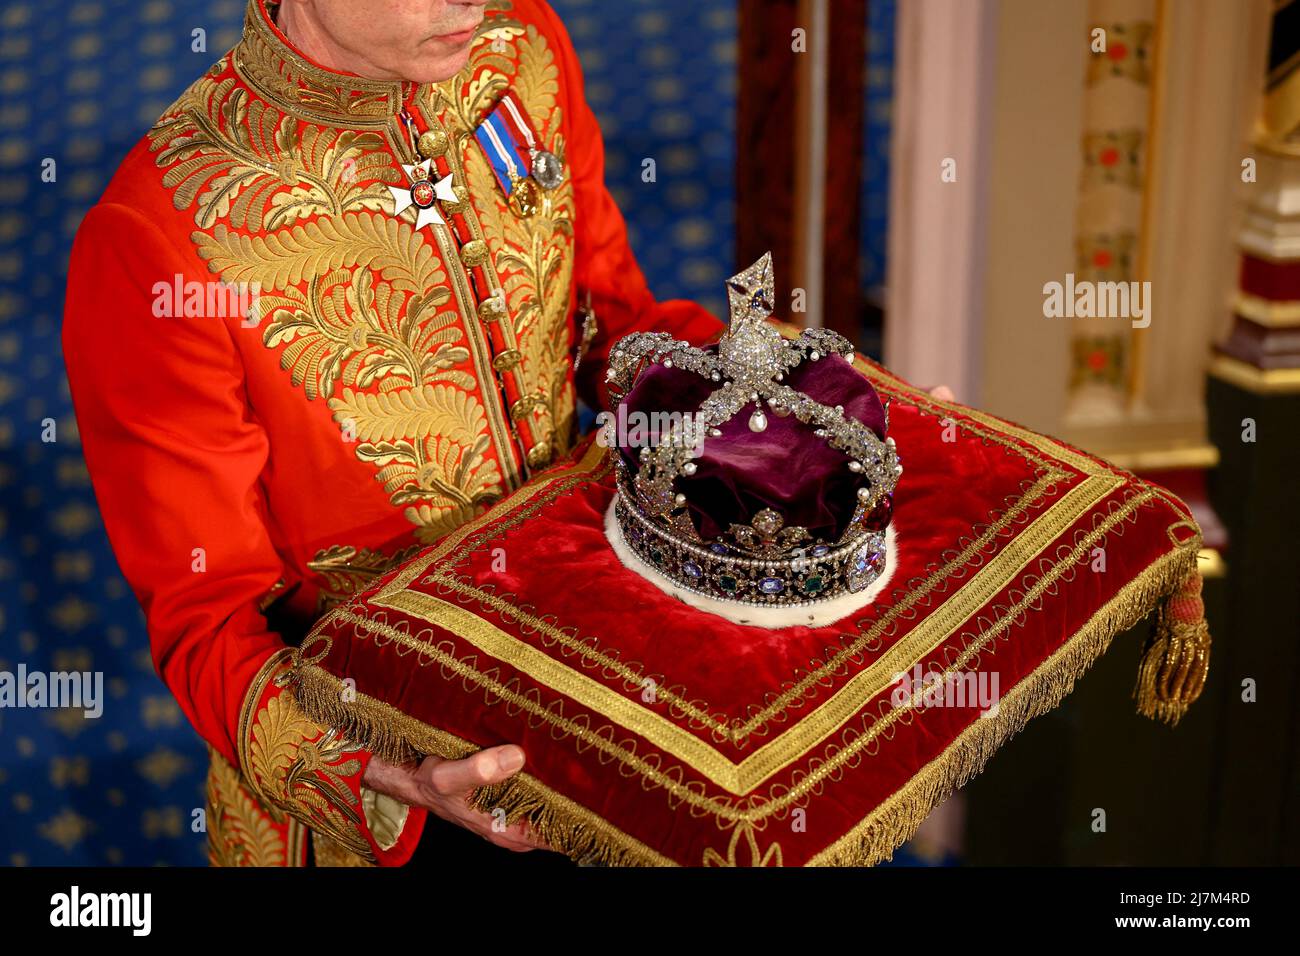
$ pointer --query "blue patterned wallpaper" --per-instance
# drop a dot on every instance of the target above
(661, 78)
(81, 82)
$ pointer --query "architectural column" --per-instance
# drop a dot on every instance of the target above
(944, 98)
(799, 153)
(1254, 402)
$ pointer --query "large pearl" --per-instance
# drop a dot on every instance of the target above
(757, 422)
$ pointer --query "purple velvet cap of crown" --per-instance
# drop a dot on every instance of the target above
(785, 467)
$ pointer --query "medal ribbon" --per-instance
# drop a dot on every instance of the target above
(521, 125)
(493, 134)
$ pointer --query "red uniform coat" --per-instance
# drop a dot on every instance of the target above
(282, 387)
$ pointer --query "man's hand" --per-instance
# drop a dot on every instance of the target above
(943, 393)
(443, 787)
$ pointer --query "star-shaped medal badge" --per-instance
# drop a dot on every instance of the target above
(423, 194)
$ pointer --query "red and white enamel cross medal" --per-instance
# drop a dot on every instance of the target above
(423, 193)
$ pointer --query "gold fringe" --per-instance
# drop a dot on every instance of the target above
(381, 728)
(564, 824)
(895, 821)
(576, 831)
(1176, 660)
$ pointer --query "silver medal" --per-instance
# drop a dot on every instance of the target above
(547, 169)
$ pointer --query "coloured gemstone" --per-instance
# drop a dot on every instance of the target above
(727, 582)
(877, 519)
(771, 585)
(692, 570)
(812, 585)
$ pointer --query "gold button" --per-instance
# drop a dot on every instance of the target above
(506, 360)
(474, 253)
(492, 309)
(432, 143)
(539, 454)
(523, 408)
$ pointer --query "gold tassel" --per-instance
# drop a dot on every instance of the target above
(1177, 657)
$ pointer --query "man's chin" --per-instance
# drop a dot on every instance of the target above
(435, 68)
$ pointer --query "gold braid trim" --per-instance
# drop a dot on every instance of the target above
(381, 728)
(566, 826)
(576, 831)
(896, 819)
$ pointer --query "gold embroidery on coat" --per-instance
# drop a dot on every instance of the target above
(292, 770)
(329, 853)
(240, 832)
(298, 85)
(533, 256)
(347, 570)
(352, 297)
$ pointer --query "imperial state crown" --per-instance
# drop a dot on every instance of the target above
(769, 479)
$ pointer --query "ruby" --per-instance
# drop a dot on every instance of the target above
(877, 519)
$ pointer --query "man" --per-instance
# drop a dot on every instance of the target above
(404, 202)
(407, 359)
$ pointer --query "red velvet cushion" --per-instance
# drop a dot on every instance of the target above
(658, 733)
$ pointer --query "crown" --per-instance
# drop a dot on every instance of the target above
(756, 470)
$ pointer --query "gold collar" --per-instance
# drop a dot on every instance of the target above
(269, 64)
